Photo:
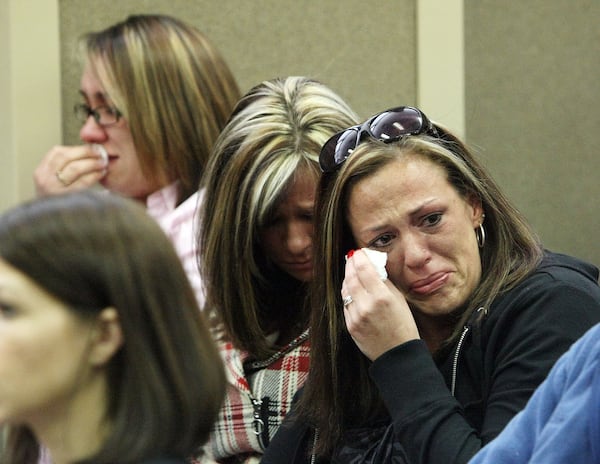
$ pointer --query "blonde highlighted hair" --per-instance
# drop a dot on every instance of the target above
(276, 133)
(173, 87)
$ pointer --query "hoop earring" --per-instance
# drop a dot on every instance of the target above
(480, 235)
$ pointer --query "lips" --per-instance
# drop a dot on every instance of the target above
(430, 284)
(300, 265)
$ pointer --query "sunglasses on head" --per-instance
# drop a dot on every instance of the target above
(387, 126)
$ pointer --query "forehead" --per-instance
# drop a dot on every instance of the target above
(407, 181)
(90, 86)
(12, 279)
(300, 190)
(19, 290)
(34, 302)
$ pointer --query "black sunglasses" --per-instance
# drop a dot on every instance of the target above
(388, 126)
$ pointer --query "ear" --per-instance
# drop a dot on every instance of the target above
(107, 337)
(477, 213)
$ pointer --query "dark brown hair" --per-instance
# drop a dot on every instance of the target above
(92, 250)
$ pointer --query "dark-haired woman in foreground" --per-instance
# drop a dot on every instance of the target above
(104, 354)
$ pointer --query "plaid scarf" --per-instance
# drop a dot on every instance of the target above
(259, 395)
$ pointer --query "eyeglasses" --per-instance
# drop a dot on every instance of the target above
(103, 115)
(387, 126)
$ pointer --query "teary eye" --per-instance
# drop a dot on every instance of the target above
(432, 219)
(381, 241)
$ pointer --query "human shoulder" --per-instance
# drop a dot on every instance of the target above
(552, 307)
(557, 269)
(558, 280)
(568, 269)
(162, 206)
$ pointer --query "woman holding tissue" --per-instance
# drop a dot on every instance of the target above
(155, 96)
(430, 363)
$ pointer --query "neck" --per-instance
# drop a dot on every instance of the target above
(76, 429)
(434, 331)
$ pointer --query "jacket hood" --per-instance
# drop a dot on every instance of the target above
(558, 260)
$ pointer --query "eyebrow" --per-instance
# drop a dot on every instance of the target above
(98, 95)
(418, 210)
(412, 213)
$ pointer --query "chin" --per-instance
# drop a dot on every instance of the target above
(303, 277)
(437, 305)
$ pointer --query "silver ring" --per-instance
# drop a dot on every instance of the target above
(347, 300)
(58, 175)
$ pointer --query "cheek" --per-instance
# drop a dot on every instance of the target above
(37, 372)
(310, 231)
(271, 242)
(395, 272)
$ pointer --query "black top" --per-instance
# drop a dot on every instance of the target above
(504, 354)
(165, 460)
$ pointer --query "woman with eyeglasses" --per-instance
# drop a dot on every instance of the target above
(155, 95)
(430, 363)
(105, 357)
(258, 254)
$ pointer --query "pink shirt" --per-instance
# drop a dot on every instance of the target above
(180, 225)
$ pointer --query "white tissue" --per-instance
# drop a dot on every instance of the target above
(379, 259)
(99, 149)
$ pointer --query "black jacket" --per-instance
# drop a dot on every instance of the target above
(165, 460)
(445, 412)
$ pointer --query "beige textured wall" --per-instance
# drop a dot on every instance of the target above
(7, 167)
(30, 104)
(366, 54)
(533, 106)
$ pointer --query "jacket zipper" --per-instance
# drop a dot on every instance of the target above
(456, 355)
(466, 329)
(452, 389)
(313, 455)
(258, 422)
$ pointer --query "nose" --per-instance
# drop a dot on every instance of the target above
(298, 237)
(416, 251)
(92, 132)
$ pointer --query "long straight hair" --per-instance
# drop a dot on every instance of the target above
(339, 393)
(275, 135)
(93, 250)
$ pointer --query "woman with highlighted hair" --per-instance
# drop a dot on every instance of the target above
(257, 242)
(430, 363)
(155, 94)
